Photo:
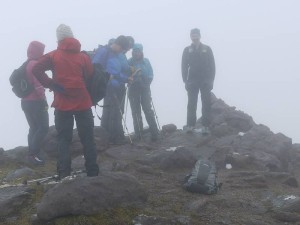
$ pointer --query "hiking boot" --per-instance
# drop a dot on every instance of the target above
(35, 160)
(205, 131)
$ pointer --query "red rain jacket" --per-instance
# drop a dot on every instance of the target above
(69, 67)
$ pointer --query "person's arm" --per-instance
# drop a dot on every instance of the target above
(101, 57)
(212, 67)
(44, 64)
(184, 65)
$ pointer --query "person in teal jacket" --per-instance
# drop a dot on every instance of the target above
(139, 93)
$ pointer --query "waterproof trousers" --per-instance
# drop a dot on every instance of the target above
(36, 113)
(113, 109)
(140, 98)
(193, 92)
(64, 122)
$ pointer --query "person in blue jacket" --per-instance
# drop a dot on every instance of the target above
(109, 57)
(139, 93)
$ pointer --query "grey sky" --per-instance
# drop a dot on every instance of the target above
(256, 44)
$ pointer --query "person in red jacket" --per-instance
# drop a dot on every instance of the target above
(35, 106)
(69, 69)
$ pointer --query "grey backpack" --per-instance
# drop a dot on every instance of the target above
(203, 178)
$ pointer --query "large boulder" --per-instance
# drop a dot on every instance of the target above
(91, 195)
(227, 120)
(50, 143)
(12, 198)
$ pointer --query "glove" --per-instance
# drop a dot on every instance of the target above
(57, 88)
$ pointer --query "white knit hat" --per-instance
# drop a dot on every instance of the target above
(63, 31)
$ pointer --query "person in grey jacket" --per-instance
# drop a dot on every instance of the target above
(198, 74)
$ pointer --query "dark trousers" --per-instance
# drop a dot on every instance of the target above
(36, 113)
(193, 92)
(113, 109)
(140, 97)
(64, 122)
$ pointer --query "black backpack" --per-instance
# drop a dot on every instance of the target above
(203, 178)
(97, 85)
(19, 82)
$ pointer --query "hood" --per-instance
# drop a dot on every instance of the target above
(70, 45)
(35, 50)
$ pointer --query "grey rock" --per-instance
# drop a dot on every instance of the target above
(91, 195)
(20, 173)
(18, 154)
(12, 198)
(78, 163)
(181, 158)
(169, 128)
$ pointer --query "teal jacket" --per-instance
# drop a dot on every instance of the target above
(145, 66)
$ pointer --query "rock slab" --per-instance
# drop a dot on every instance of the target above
(91, 195)
(12, 198)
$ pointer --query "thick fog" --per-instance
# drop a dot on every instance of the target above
(256, 44)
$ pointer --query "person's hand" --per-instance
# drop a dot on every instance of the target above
(57, 88)
(130, 79)
(132, 69)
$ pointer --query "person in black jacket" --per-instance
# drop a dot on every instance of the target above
(198, 74)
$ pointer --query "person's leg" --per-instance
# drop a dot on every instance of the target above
(41, 118)
(64, 122)
(193, 92)
(28, 111)
(146, 101)
(85, 127)
(206, 106)
(134, 95)
(118, 132)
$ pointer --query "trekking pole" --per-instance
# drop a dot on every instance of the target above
(126, 128)
(126, 105)
(155, 114)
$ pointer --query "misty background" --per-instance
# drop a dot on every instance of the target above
(256, 44)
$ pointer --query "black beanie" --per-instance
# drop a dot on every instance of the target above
(123, 42)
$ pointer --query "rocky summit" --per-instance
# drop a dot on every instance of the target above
(142, 183)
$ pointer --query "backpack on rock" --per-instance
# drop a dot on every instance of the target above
(203, 178)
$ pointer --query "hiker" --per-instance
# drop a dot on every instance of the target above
(139, 93)
(109, 57)
(71, 98)
(198, 74)
(35, 106)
